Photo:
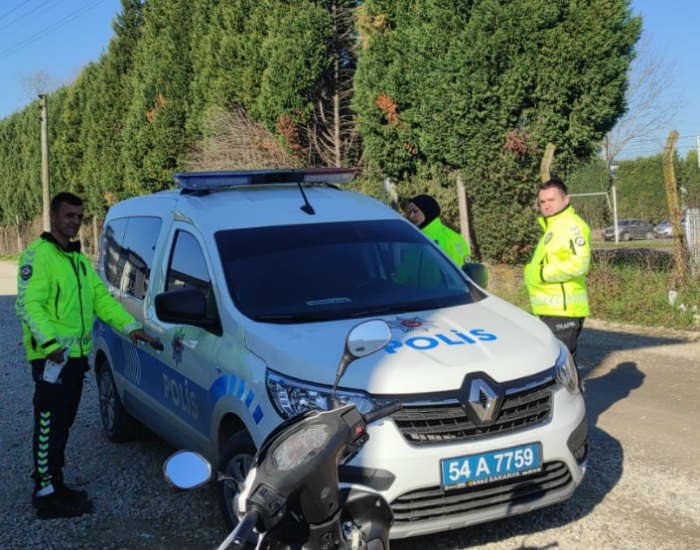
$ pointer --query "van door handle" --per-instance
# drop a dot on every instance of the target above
(219, 369)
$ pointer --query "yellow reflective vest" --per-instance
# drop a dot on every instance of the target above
(426, 275)
(58, 293)
(451, 242)
(556, 276)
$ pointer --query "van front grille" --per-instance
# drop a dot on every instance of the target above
(428, 423)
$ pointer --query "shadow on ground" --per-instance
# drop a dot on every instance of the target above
(604, 470)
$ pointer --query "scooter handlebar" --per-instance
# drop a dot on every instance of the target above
(383, 411)
(243, 530)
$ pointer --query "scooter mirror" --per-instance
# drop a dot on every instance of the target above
(368, 338)
(362, 340)
(187, 470)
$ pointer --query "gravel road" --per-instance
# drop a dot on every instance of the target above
(641, 491)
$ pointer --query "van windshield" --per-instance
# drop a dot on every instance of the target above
(328, 271)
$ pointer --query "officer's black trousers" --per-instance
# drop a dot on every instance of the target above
(55, 407)
(566, 329)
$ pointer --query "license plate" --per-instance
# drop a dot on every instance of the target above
(468, 471)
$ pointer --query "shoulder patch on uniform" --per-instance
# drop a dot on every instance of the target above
(26, 272)
(580, 241)
(548, 237)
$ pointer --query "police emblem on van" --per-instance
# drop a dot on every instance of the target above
(177, 347)
(411, 324)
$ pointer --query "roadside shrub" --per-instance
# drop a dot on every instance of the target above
(635, 288)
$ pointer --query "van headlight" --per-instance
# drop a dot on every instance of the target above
(566, 371)
(291, 397)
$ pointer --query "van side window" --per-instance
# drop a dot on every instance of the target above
(136, 258)
(111, 250)
(188, 269)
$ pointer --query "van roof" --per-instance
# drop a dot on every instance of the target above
(256, 206)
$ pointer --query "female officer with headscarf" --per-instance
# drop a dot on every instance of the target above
(424, 212)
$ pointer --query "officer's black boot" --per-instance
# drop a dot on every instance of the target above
(53, 504)
(73, 496)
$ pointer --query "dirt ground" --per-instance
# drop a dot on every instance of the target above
(642, 486)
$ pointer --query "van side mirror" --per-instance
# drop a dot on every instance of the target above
(477, 273)
(183, 306)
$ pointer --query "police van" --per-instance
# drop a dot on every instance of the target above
(251, 280)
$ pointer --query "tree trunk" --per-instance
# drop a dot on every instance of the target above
(336, 94)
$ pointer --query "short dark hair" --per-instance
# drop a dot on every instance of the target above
(555, 183)
(70, 198)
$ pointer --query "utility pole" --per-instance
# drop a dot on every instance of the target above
(45, 185)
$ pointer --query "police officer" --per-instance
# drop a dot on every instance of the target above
(556, 275)
(424, 212)
(58, 294)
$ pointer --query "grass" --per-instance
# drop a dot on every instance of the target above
(633, 290)
(656, 243)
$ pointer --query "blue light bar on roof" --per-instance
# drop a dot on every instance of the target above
(207, 181)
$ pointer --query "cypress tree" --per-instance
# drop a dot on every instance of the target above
(155, 136)
(479, 87)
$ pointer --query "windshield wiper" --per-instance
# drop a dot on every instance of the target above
(389, 309)
(288, 318)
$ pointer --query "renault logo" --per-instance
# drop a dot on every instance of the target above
(483, 400)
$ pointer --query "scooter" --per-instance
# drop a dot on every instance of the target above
(291, 495)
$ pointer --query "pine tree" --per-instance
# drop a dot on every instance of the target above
(155, 136)
(479, 88)
(106, 112)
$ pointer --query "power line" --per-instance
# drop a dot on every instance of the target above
(657, 148)
(27, 14)
(13, 9)
(57, 25)
(659, 139)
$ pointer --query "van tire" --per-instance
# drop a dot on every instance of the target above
(235, 461)
(118, 425)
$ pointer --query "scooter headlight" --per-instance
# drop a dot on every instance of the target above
(566, 371)
(291, 397)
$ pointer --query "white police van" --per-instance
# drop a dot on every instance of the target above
(252, 280)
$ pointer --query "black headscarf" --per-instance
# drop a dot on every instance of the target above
(429, 206)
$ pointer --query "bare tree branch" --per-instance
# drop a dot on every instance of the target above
(233, 141)
(651, 106)
(40, 82)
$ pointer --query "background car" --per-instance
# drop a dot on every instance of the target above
(629, 229)
(664, 229)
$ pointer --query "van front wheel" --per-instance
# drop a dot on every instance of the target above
(118, 424)
(235, 461)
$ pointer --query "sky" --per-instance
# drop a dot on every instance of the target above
(59, 37)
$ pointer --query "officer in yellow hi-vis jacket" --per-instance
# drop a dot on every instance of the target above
(424, 212)
(58, 293)
(556, 275)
